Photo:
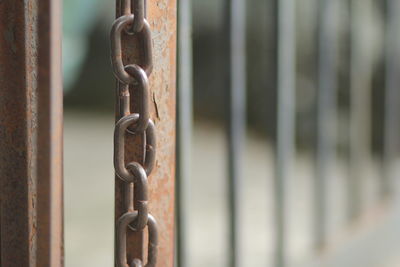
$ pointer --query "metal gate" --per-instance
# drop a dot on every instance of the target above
(31, 122)
(269, 59)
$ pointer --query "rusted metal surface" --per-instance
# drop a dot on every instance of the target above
(18, 107)
(161, 15)
(27, 172)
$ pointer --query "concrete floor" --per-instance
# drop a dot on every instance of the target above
(89, 198)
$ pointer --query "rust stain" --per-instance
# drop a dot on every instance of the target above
(163, 21)
(155, 106)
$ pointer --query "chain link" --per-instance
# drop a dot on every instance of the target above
(134, 174)
(121, 23)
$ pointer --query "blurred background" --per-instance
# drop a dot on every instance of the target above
(355, 39)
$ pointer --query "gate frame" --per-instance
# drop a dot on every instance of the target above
(31, 204)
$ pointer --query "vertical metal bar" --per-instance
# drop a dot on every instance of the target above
(50, 137)
(392, 93)
(184, 128)
(286, 119)
(326, 105)
(360, 106)
(235, 30)
(30, 127)
(162, 18)
(18, 48)
(356, 89)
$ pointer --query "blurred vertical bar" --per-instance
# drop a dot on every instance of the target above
(184, 131)
(327, 113)
(392, 93)
(50, 216)
(235, 41)
(286, 119)
(360, 105)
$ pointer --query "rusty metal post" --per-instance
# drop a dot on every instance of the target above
(17, 154)
(162, 18)
(30, 134)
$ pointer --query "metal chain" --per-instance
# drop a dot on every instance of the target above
(134, 174)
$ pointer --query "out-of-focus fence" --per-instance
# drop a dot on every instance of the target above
(330, 81)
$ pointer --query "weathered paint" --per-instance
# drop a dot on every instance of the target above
(162, 18)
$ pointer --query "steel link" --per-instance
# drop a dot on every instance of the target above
(127, 7)
(119, 147)
(116, 48)
(150, 152)
(138, 9)
(139, 13)
(124, 100)
(142, 85)
(137, 263)
(122, 227)
(142, 197)
(134, 174)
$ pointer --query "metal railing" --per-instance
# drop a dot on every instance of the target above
(360, 114)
